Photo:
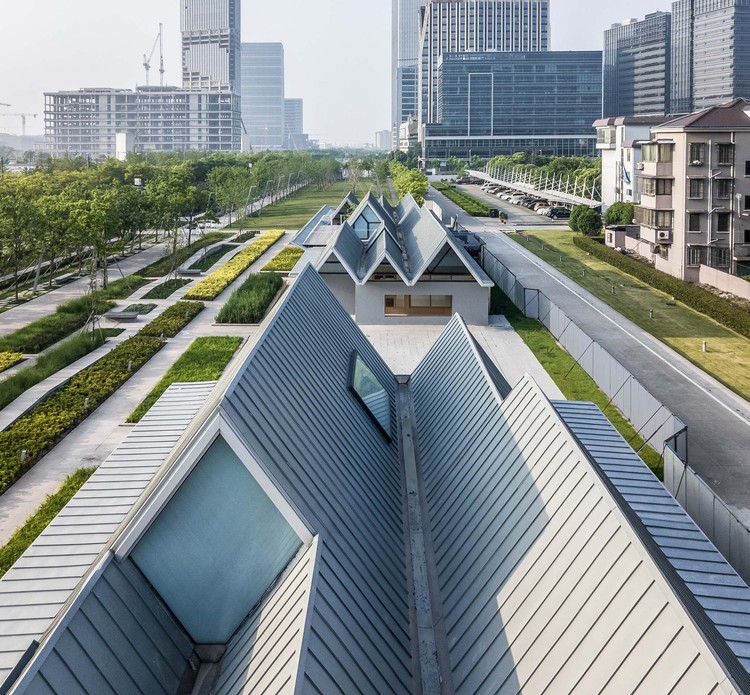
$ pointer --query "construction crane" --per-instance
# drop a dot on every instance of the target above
(23, 117)
(147, 58)
(1, 104)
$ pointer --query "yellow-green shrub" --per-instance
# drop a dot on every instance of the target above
(9, 359)
(285, 260)
(217, 282)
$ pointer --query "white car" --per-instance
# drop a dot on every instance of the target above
(542, 211)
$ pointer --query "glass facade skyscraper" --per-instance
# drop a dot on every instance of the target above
(405, 53)
(458, 26)
(262, 69)
(210, 44)
(710, 53)
(636, 69)
(506, 102)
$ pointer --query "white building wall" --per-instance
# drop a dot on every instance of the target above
(470, 300)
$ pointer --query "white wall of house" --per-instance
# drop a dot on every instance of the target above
(343, 288)
(470, 300)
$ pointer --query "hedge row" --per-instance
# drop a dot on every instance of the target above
(285, 260)
(9, 359)
(217, 282)
(44, 425)
(172, 320)
(468, 203)
(250, 302)
(703, 301)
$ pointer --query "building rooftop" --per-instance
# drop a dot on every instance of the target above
(732, 115)
(331, 528)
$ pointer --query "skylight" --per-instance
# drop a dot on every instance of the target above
(371, 394)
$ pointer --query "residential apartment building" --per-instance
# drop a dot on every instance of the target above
(475, 26)
(619, 142)
(87, 122)
(405, 51)
(262, 70)
(695, 195)
(492, 103)
(210, 44)
(710, 53)
(636, 67)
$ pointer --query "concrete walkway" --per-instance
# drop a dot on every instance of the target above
(103, 431)
(718, 420)
(403, 347)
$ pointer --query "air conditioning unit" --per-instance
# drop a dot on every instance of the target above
(663, 235)
(697, 163)
(640, 166)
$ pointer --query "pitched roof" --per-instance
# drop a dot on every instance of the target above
(556, 560)
(734, 114)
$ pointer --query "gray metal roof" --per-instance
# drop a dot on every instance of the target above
(34, 590)
(717, 588)
(409, 245)
(336, 467)
(301, 237)
(544, 585)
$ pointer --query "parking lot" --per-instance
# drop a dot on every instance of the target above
(517, 214)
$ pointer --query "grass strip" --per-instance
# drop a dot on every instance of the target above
(33, 435)
(50, 508)
(250, 302)
(174, 260)
(682, 328)
(468, 203)
(122, 288)
(140, 309)
(166, 289)
(719, 309)
(51, 362)
(204, 360)
(218, 281)
(9, 359)
(48, 330)
(296, 210)
(210, 259)
(570, 377)
(285, 260)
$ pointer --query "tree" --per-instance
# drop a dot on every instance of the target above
(354, 172)
(585, 220)
(409, 181)
(620, 213)
(456, 165)
(18, 223)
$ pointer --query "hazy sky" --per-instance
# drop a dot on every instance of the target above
(337, 51)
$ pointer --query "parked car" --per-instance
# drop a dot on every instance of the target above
(559, 213)
(543, 210)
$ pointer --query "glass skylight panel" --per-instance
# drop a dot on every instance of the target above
(371, 394)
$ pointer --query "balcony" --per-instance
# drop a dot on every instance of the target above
(656, 202)
(741, 252)
(657, 169)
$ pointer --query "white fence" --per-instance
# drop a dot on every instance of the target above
(649, 417)
(716, 520)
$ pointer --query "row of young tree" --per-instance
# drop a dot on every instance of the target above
(71, 209)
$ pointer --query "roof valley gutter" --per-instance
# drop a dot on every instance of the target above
(431, 641)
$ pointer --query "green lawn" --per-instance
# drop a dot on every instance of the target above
(296, 211)
(676, 325)
(204, 360)
(51, 507)
(570, 377)
(210, 259)
(166, 289)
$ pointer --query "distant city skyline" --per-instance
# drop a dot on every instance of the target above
(338, 53)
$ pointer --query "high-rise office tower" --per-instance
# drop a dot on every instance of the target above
(711, 53)
(405, 51)
(210, 44)
(293, 123)
(263, 94)
(636, 70)
(468, 26)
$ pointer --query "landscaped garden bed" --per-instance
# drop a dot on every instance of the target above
(204, 360)
(32, 435)
(211, 259)
(9, 359)
(175, 260)
(140, 309)
(285, 260)
(468, 203)
(250, 302)
(217, 282)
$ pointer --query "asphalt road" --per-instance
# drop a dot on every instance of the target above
(718, 420)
